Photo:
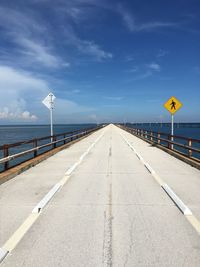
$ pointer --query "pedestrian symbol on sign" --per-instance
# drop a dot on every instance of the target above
(173, 105)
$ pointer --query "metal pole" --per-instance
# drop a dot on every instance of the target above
(51, 116)
(51, 119)
(172, 125)
(172, 131)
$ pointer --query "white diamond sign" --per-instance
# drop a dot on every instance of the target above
(49, 100)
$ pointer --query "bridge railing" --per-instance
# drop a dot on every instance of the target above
(188, 147)
(14, 154)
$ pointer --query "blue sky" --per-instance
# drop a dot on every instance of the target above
(104, 61)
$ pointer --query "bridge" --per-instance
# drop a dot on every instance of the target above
(110, 199)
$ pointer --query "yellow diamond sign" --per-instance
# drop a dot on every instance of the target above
(173, 105)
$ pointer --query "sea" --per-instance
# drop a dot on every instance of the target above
(16, 133)
(10, 134)
(188, 130)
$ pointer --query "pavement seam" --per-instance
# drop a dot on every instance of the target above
(30, 220)
(179, 203)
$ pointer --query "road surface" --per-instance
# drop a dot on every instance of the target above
(111, 211)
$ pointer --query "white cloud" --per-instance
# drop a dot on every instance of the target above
(27, 32)
(19, 92)
(21, 98)
(64, 106)
(86, 47)
(16, 22)
(26, 115)
(90, 48)
(150, 26)
(133, 26)
(8, 115)
(128, 20)
(115, 98)
(12, 80)
(66, 109)
(154, 66)
(34, 38)
(41, 54)
(148, 71)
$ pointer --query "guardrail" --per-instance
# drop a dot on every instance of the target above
(17, 153)
(187, 147)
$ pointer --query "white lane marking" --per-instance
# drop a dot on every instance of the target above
(185, 210)
(168, 190)
(3, 254)
(23, 229)
(20, 232)
(149, 168)
(72, 168)
(46, 198)
(157, 178)
(83, 156)
(194, 222)
(64, 180)
(57, 186)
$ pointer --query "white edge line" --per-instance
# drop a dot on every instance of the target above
(3, 254)
(83, 156)
(57, 186)
(149, 168)
(46, 198)
(72, 168)
(185, 210)
(64, 180)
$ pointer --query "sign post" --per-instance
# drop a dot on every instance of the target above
(172, 124)
(172, 105)
(49, 103)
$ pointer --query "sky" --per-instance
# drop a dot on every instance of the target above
(105, 61)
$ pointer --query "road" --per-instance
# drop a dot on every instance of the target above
(111, 212)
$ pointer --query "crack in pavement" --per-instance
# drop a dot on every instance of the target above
(107, 240)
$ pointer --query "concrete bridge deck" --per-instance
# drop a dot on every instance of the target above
(109, 209)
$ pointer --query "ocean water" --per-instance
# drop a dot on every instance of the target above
(17, 133)
(188, 130)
